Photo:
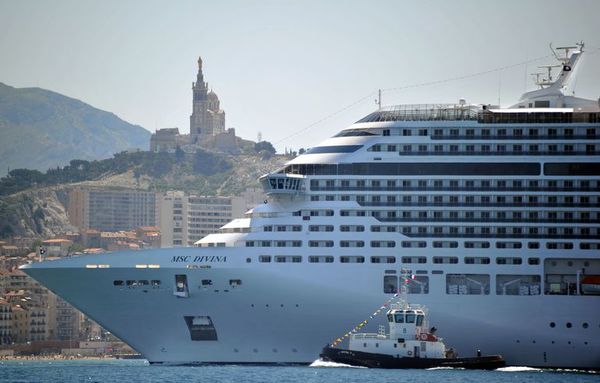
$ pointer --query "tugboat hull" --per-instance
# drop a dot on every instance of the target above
(373, 360)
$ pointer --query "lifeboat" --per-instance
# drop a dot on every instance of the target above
(590, 284)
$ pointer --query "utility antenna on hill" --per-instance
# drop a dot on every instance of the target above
(259, 137)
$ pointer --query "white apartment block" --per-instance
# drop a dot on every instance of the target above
(185, 219)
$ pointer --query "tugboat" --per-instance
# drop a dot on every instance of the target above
(408, 344)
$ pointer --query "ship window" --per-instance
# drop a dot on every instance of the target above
(399, 317)
(419, 320)
(418, 285)
(383, 259)
(118, 283)
(467, 284)
(477, 260)
(390, 318)
(356, 132)
(390, 284)
(352, 259)
(320, 259)
(517, 284)
(334, 149)
(410, 318)
(155, 283)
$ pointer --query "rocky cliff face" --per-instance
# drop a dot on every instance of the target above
(34, 213)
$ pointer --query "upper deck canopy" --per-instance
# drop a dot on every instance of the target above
(483, 114)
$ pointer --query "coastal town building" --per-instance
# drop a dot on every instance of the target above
(58, 247)
(185, 219)
(5, 322)
(111, 210)
(68, 321)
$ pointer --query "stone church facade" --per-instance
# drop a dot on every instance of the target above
(207, 118)
(207, 124)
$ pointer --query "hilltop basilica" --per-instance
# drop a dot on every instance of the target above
(207, 124)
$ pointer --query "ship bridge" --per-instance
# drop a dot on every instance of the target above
(282, 183)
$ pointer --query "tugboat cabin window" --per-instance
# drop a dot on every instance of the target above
(420, 320)
(410, 317)
(399, 317)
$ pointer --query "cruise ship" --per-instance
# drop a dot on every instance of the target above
(495, 212)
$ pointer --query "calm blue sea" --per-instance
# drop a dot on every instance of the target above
(120, 371)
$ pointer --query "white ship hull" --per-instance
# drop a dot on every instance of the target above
(287, 313)
(495, 210)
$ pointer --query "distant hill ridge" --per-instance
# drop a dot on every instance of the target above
(41, 129)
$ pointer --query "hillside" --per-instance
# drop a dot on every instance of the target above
(33, 203)
(40, 129)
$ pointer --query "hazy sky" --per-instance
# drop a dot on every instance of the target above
(280, 66)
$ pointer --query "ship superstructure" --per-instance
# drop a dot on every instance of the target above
(494, 210)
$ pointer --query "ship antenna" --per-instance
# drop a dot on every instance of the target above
(405, 276)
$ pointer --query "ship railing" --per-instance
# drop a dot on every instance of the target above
(483, 114)
(369, 336)
(424, 112)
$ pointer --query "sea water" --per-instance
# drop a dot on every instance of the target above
(120, 371)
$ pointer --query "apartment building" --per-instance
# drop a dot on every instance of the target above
(111, 210)
(185, 219)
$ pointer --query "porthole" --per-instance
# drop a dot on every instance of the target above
(267, 305)
(552, 342)
(552, 324)
(294, 350)
(518, 341)
(586, 263)
(281, 305)
(297, 305)
(364, 345)
(585, 325)
(569, 342)
(376, 344)
(255, 350)
(585, 342)
(252, 305)
(248, 260)
(569, 325)
(236, 350)
(274, 350)
(570, 263)
(533, 342)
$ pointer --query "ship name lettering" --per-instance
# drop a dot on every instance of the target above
(200, 258)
